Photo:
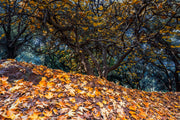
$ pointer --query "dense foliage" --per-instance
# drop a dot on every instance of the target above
(124, 39)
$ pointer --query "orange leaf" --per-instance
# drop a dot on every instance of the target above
(73, 100)
(34, 115)
(64, 110)
(55, 111)
(110, 96)
(61, 95)
(119, 99)
(61, 103)
(43, 82)
(3, 81)
(146, 104)
(133, 107)
(110, 107)
(75, 107)
(97, 115)
(50, 84)
(128, 99)
(104, 102)
(48, 113)
(49, 95)
(97, 92)
(132, 112)
(87, 102)
(135, 116)
(100, 104)
(143, 114)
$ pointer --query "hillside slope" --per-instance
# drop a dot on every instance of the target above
(29, 91)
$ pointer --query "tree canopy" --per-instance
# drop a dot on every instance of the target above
(98, 37)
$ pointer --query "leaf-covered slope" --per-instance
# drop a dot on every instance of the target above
(28, 91)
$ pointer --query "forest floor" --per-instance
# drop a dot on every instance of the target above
(29, 91)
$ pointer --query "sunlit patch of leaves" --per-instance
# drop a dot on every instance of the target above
(61, 95)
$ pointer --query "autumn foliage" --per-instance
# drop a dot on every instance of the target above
(28, 91)
(98, 37)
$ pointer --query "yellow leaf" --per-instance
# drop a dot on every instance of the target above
(79, 91)
(100, 104)
(43, 82)
(41, 7)
(90, 95)
(10, 114)
(50, 84)
(48, 113)
(100, 30)
(61, 94)
(98, 114)
(95, 24)
(2, 35)
(97, 92)
(119, 18)
(13, 116)
(100, 8)
(80, 40)
(75, 0)
(73, 100)
(178, 46)
(95, 18)
(89, 17)
(132, 112)
(164, 17)
(177, 106)
(164, 57)
(172, 46)
(135, 116)
(49, 95)
(34, 115)
(31, 2)
(82, 109)
(44, 32)
(99, 23)
(3, 81)
(51, 29)
(75, 107)
(71, 113)
(133, 108)
(12, 89)
(85, 28)
(104, 102)
(66, 5)
(143, 114)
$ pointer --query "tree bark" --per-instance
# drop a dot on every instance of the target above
(11, 52)
(86, 65)
(176, 75)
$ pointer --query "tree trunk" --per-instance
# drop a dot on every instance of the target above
(86, 65)
(11, 52)
(176, 75)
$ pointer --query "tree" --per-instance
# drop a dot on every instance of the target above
(13, 28)
(100, 32)
(104, 35)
